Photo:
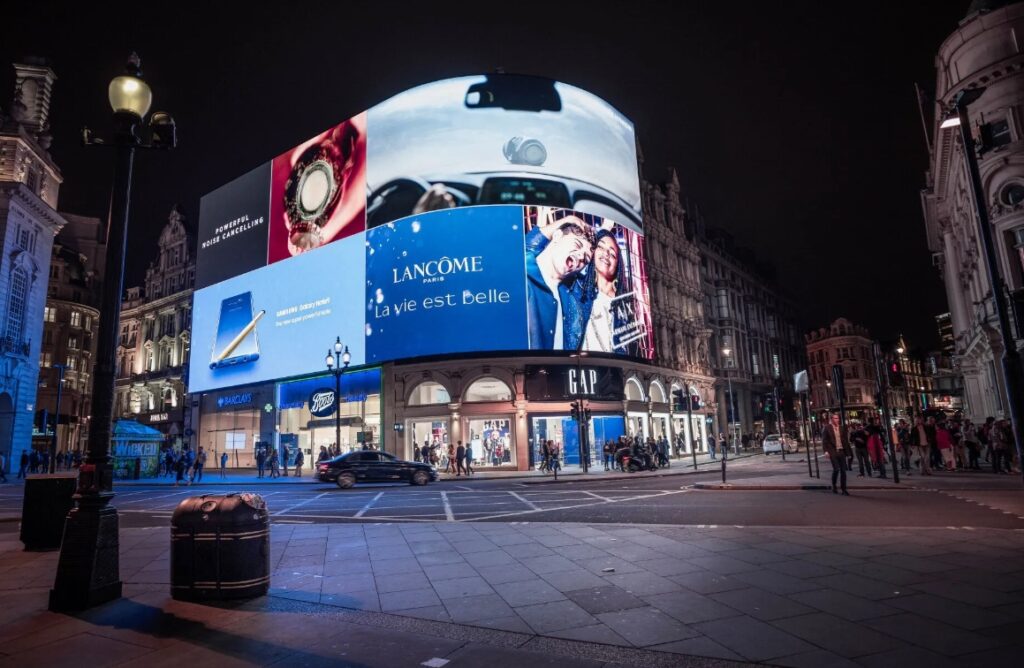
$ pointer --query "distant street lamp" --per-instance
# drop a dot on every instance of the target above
(727, 351)
(56, 419)
(338, 359)
(87, 572)
(1012, 383)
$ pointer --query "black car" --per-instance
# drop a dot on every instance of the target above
(372, 466)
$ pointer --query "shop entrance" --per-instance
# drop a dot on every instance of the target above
(565, 433)
(430, 432)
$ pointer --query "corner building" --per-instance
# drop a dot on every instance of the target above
(490, 280)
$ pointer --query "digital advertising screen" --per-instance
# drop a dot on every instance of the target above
(279, 320)
(492, 213)
(446, 281)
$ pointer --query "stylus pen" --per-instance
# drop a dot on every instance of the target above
(238, 339)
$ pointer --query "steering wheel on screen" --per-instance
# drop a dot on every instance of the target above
(398, 198)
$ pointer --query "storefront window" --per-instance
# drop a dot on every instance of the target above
(487, 389)
(359, 415)
(428, 394)
(491, 439)
(430, 432)
(565, 433)
(633, 390)
(234, 422)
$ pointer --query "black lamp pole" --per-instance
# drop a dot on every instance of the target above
(52, 466)
(338, 359)
(88, 569)
(1012, 384)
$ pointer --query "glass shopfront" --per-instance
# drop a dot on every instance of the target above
(309, 414)
(430, 432)
(491, 440)
(565, 433)
(235, 422)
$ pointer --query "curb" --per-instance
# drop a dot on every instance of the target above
(775, 488)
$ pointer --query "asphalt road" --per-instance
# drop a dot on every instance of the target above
(657, 500)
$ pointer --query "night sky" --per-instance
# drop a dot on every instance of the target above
(793, 125)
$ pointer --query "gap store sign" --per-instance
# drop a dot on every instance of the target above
(482, 214)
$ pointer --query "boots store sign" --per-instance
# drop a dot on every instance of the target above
(322, 403)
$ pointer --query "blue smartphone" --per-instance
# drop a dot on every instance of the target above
(236, 341)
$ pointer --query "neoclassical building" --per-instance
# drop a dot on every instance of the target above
(152, 354)
(982, 51)
(848, 345)
(29, 221)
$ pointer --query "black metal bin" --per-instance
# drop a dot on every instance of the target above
(220, 547)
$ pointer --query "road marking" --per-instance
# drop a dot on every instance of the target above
(300, 504)
(596, 496)
(369, 505)
(527, 502)
(447, 507)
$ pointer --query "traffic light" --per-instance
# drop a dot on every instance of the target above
(677, 400)
(586, 414)
(574, 411)
(769, 405)
(896, 375)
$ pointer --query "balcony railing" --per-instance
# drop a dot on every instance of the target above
(11, 346)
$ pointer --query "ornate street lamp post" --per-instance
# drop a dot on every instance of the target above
(337, 360)
(87, 573)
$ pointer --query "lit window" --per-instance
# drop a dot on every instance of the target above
(76, 319)
(16, 304)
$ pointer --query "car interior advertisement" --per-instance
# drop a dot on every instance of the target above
(318, 191)
(445, 281)
(586, 284)
(233, 228)
(257, 326)
(500, 139)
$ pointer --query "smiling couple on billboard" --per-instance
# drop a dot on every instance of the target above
(584, 291)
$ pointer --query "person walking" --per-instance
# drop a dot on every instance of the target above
(449, 465)
(197, 468)
(180, 466)
(3, 468)
(859, 439)
(969, 435)
(944, 444)
(921, 438)
(300, 459)
(554, 464)
(261, 461)
(460, 459)
(23, 464)
(469, 459)
(275, 467)
(223, 465)
(876, 447)
(836, 444)
(1000, 439)
(712, 443)
(284, 460)
(609, 455)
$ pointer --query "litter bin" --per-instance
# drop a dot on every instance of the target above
(45, 505)
(220, 547)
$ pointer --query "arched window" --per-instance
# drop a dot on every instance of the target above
(657, 392)
(16, 305)
(634, 391)
(428, 394)
(487, 389)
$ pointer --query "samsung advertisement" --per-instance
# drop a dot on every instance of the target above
(494, 213)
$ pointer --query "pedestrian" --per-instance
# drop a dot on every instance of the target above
(944, 444)
(859, 439)
(985, 437)
(275, 467)
(903, 439)
(609, 455)
(180, 466)
(197, 468)
(1000, 439)
(284, 460)
(299, 461)
(3, 468)
(545, 456)
(460, 458)
(711, 444)
(23, 464)
(969, 435)
(449, 465)
(33, 462)
(835, 443)
(223, 465)
(425, 454)
(921, 438)
(323, 456)
(261, 458)
(876, 447)
(554, 464)
(469, 459)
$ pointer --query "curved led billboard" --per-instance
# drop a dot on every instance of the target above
(495, 213)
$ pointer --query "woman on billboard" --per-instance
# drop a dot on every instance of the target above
(602, 288)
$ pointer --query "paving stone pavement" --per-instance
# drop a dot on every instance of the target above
(639, 593)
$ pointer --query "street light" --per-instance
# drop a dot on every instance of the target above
(52, 466)
(1013, 385)
(337, 361)
(87, 572)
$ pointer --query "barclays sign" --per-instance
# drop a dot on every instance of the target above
(234, 400)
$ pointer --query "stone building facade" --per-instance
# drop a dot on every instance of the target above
(984, 51)
(152, 353)
(70, 324)
(29, 184)
(747, 314)
(850, 346)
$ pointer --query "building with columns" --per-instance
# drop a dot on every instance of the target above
(984, 50)
(849, 346)
(29, 221)
(152, 354)
(748, 315)
(70, 324)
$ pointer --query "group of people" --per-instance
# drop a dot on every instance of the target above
(496, 451)
(187, 465)
(38, 461)
(457, 458)
(930, 444)
(652, 453)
